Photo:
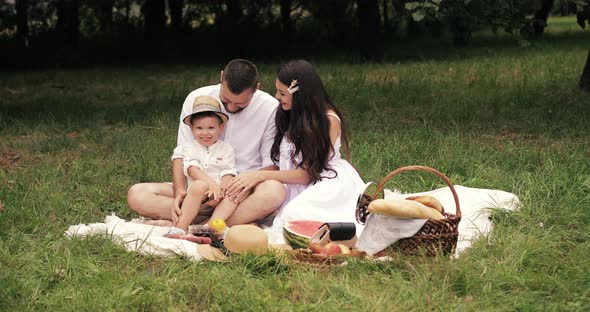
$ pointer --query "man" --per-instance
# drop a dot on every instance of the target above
(250, 131)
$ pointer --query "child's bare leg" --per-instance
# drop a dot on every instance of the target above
(224, 209)
(191, 204)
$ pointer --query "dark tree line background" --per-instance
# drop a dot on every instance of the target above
(79, 32)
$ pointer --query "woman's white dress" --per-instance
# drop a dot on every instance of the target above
(332, 199)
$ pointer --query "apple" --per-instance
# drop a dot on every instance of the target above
(331, 249)
(315, 248)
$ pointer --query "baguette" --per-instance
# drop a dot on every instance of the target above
(428, 201)
(403, 208)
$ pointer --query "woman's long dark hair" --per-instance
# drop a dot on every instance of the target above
(306, 124)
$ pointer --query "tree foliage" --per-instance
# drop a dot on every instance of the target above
(463, 17)
(138, 28)
(515, 17)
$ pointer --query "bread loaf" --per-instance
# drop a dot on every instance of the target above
(428, 201)
(403, 208)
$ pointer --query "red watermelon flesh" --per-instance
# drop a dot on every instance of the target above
(298, 232)
(304, 227)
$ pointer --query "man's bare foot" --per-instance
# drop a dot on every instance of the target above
(160, 222)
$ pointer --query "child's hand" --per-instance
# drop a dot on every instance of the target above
(214, 192)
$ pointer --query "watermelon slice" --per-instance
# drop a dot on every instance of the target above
(298, 232)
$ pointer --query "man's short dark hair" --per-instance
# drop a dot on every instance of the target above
(240, 74)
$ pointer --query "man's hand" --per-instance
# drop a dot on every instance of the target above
(176, 211)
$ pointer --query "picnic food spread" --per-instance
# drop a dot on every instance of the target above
(314, 240)
(331, 243)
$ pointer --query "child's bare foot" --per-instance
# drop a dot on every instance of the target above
(160, 222)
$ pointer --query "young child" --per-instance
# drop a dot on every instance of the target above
(208, 163)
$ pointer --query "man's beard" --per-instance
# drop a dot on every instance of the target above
(234, 112)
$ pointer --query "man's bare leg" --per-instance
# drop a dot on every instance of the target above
(267, 197)
(152, 200)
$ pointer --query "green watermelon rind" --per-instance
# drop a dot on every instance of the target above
(296, 241)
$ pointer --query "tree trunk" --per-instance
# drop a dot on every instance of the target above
(540, 21)
(386, 22)
(22, 22)
(563, 8)
(127, 12)
(68, 22)
(583, 16)
(462, 33)
(369, 30)
(585, 78)
(286, 20)
(175, 7)
(154, 14)
(105, 15)
(233, 16)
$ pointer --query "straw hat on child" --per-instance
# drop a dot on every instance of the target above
(205, 103)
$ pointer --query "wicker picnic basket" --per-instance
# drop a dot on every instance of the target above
(305, 256)
(436, 236)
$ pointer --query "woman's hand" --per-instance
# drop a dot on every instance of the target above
(242, 185)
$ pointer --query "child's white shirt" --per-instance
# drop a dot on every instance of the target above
(216, 160)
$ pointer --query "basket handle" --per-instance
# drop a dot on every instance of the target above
(422, 168)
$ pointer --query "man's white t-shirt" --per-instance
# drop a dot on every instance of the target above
(250, 132)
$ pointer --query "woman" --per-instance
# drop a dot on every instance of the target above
(320, 184)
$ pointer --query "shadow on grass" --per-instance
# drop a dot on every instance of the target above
(535, 110)
(73, 115)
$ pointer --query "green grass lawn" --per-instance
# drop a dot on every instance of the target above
(493, 115)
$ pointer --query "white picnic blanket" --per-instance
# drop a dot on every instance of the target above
(142, 238)
(148, 239)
